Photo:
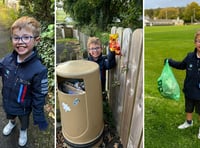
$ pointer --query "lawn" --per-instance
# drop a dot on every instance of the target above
(162, 116)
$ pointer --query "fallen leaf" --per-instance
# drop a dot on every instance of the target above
(51, 114)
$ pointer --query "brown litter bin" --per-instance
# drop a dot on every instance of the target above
(80, 101)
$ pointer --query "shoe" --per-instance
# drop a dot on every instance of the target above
(185, 125)
(8, 128)
(22, 137)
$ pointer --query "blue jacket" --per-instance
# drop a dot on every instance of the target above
(25, 86)
(191, 64)
(105, 62)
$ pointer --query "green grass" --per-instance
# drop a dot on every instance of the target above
(65, 40)
(162, 116)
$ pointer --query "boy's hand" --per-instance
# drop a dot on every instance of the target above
(165, 61)
(114, 44)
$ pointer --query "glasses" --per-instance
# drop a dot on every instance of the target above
(25, 39)
(96, 48)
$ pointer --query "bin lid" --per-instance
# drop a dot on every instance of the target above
(76, 68)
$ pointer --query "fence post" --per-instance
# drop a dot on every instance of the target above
(132, 116)
(113, 30)
(113, 75)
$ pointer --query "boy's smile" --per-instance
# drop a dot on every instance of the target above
(21, 47)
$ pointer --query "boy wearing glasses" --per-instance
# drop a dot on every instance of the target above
(191, 63)
(24, 79)
(105, 62)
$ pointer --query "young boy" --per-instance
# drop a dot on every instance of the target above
(24, 79)
(105, 62)
(191, 63)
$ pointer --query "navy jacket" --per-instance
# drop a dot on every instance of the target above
(105, 62)
(191, 64)
(25, 85)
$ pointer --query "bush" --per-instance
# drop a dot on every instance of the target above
(46, 51)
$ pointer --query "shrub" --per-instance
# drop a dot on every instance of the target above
(46, 51)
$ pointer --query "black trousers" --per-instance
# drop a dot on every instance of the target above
(24, 120)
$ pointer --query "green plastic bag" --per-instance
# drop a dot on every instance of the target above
(167, 84)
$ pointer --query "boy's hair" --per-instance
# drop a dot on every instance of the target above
(93, 40)
(29, 23)
(196, 35)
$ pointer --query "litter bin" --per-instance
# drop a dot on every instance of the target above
(80, 101)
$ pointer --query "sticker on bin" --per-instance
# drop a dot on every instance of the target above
(66, 107)
(76, 101)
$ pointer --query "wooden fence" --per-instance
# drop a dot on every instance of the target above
(125, 86)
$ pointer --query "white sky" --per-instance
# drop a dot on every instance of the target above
(167, 3)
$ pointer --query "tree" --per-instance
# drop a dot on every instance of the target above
(100, 13)
(192, 12)
(181, 12)
(131, 14)
(157, 11)
(168, 13)
(84, 16)
(149, 13)
(95, 12)
(39, 9)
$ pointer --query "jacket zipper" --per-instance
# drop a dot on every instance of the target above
(16, 69)
(16, 74)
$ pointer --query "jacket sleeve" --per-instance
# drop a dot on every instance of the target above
(40, 90)
(110, 61)
(178, 64)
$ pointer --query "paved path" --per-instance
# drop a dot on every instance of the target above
(36, 138)
(5, 43)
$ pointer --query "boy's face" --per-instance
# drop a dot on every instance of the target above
(95, 50)
(23, 42)
(197, 43)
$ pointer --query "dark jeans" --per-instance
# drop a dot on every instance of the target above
(24, 120)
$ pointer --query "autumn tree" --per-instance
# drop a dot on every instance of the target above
(192, 12)
(168, 13)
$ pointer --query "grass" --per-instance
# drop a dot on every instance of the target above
(65, 40)
(162, 116)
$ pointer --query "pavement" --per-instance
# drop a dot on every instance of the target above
(36, 138)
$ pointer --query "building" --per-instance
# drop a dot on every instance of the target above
(162, 22)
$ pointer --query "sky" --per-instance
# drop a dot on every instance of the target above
(167, 3)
